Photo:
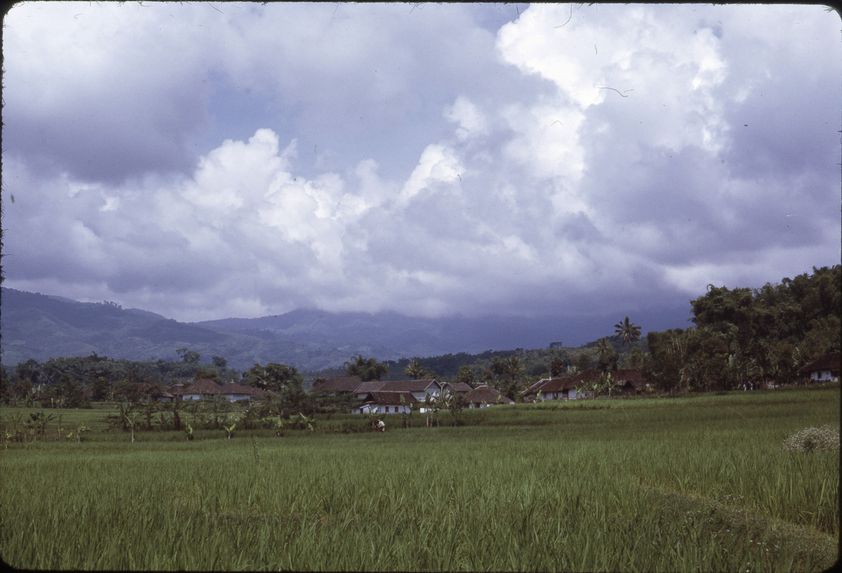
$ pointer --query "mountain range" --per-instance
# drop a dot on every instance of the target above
(43, 326)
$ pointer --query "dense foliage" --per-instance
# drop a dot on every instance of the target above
(366, 368)
(744, 337)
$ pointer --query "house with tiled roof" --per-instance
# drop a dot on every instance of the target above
(206, 389)
(485, 396)
(457, 388)
(152, 391)
(567, 387)
(421, 390)
(823, 369)
(387, 403)
(628, 381)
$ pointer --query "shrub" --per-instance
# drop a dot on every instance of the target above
(812, 439)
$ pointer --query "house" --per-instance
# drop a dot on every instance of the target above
(457, 388)
(338, 385)
(485, 396)
(567, 387)
(149, 391)
(559, 388)
(161, 395)
(421, 390)
(629, 381)
(386, 403)
(823, 369)
(205, 389)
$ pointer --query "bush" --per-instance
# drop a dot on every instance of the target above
(813, 439)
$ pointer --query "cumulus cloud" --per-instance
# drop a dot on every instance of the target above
(575, 160)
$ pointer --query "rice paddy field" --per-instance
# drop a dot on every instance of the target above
(685, 484)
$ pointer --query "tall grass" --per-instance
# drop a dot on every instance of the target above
(643, 485)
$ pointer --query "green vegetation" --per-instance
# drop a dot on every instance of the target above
(366, 368)
(661, 484)
(744, 337)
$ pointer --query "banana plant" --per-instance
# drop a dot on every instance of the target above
(81, 429)
(229, 430)
(306, 421)
(14, 432)
(131, 421)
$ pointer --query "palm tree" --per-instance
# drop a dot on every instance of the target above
(603, 348)
(627, 331)
(366, 368)
(414, 370)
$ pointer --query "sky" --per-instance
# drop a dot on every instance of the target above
(210, 160)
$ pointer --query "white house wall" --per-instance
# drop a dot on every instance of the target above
(381, 409)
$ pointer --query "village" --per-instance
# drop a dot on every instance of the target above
(390, 397)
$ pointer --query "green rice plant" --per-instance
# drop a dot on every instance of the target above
(696, 483)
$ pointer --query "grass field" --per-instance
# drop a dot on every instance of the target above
(681, 484)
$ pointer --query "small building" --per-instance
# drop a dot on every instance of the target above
(823, 369)
(457, 388)
(567, 387)
(421, 390)
(149, 391)
(561, 388)
(484, 397)
(207, 389)
(386, 403)
(629, 382)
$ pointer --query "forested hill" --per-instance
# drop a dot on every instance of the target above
(40, 327)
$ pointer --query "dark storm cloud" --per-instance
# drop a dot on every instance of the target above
(473, 159)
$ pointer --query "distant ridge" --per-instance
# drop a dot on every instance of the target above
(43, 326)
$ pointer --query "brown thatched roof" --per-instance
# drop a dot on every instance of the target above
(486, 395)
(459, 387)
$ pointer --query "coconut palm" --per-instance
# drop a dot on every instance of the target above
(366, 368)
(606, 354)
(627, 331)
(414, 370)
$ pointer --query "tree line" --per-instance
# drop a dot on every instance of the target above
(740, 337)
